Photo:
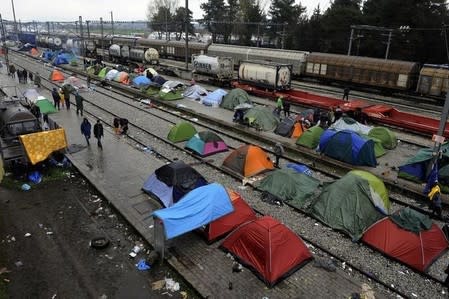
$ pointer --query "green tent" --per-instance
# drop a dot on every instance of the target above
(261, 118)
(378, 148)
(181, 132)
(150, 90)
(91, 70)
(103, 72)
(289, 185)
(233, 98)
(412, 220)
(352, 204)
(171, 95)
(386, 137)
(311, 137)
(45, 106)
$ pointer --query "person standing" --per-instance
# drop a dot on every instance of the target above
(56, 98)
(86, 129)
(79, 103)
(116, 123)
(278, 152)
(346, 93)
(19, 75)
(279, 106)
(286, 109)
(88, 81)
(12, 71)
(66, 91)
(25, 76)
(124, 125)
(98, 133)
(61, 96)
(30, 76)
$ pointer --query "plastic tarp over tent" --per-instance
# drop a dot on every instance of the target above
(269, 248)
(289, 185)
(352, 203)
(75, 83)
(141, 81)
(347, 123)
(261, 118)
(385, 135)
(111, 75)
(242, 213)
(181, 132)
(195, 92)
(349, 147)
(171, 91)
(311, 137)
(171, 182)
(45, 106)
(415, 168)
(56, 75)
(248, 160)
(416, 250)
(234, 98)
(206, 143)
(214, 98)
(199, 207)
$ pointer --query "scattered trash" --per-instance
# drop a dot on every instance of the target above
(13, 239)
(143, 266)
(4, 270)
(414, 295)
(26, 187)
(157, 285)
(236, 267)
(49, 233)
(19, 264)
(108, 256)
(27, 235)
(35, 177)
(400, 272)
(183, 294)
(171, 285)
(230, 286)
(132, 254)
(137, 249)
(151, 226)
(6, 280)
(54, 296)
(367, 292)
(99, 242)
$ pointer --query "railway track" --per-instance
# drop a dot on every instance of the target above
(263, 208)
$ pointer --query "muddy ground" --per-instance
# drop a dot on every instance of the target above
(61, 215)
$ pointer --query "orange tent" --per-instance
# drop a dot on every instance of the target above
(248, 160)
(297, 130)
(56, 75)
(34, 52)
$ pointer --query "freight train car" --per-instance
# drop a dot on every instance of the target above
(271, 75)
(214, 67)
(387, 74)
(239, 53)
(433, 80)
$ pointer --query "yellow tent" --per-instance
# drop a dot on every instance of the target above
(39, 146)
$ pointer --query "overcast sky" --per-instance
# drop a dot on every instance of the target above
(123, 10)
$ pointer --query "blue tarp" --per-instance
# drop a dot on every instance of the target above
(199, 207)
(300, 168)
(141, 81)
(160, 189)
(48, 55)
(60, 60)
(214, 98)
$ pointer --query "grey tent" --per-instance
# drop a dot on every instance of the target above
(233, 98)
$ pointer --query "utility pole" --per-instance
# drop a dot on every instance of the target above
(187, 33)
(4, 44)
(166, 24)
(102, 36)
(388, 44)
(112, 23)
(83, 51)
(88, 31)
(48, 28)
(14, 15)
(350, 41)
(76, 26)
(283, 36)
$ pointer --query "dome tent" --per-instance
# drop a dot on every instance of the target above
(182, 131)
(352, 203)
(269, 248)
(234, 98)
(310, 138)
(261, 118)
(385, 135)
(206, 143)
(248, 160)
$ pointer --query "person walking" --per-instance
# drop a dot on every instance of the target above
(278, 152)
(56, 98)
(346, 93)
(19, 75)
(79, 103)
(66, 91)
(61, 95)
(25, 76)
(86, 129)
(88, 81)
(12, 71)
(279, 106)
(37, 80)
(124, 125)
(98, 133)
(30, 76)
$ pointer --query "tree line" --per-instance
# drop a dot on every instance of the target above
(413, 30)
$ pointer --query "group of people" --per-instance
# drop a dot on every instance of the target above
(120, 126)
(86, 129)
(24, 76)
(282, 105)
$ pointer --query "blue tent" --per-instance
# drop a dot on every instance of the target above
(48, 55)
(60, 59)
(349, 147)
(214, 98)
(300, 168)
(158, 81)
(141, 81)
(171, 182)
(199, 207)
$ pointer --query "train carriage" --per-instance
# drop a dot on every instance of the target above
(433, 80)
(388, 74)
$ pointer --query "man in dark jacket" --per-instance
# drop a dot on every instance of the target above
(124, 125)
(66, 91)
(56, 98)
(98, 133)
(86, 129)
(278, 152)
(79, 103)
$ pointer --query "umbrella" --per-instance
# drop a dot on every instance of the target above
(45, 106)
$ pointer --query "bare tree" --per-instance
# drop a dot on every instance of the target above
(160, 14)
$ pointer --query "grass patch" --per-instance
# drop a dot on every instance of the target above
(50, 175)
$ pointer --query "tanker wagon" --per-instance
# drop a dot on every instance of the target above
(213, 68)
(264, 74)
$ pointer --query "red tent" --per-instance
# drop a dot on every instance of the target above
(269, 248)
(417, 251)
(242, 213)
